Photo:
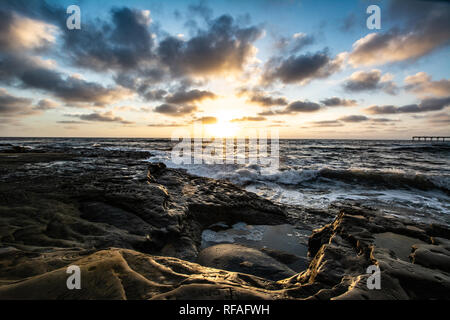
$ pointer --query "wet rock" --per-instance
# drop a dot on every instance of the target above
(242, 259)
(135, 229)
(281, 256)
(410, 267)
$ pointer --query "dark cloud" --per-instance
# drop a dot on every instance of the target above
(427, 29)
(245, 119)
(154, 95)
(206, 120)
(380, 120)
(101, 117)
(183, 97)
(327, 123)
(70, 122)
(369, 81)
(269, 113)
(224, 47)
(293, 108)
(389, 109)
(422, 85)
(33, 73)
(434, 104)
(143, 84)
(302, 106)
(165, 125)
(174, 110)
(122, 44)
(12, 106)
(335, 101)
(261, 98)
(45, 104)
(71, 89)
(351, 119)
(441, 118)
(301, 68)
(294, 44)
(354, 118)
(267, 101)
(426, 105)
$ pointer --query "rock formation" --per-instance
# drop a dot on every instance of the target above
(135, 230)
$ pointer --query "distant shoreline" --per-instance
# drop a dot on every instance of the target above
(324, 139)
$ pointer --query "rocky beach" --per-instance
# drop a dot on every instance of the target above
(136, 230)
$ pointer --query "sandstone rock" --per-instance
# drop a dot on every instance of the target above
(242, 259)
(135, 229)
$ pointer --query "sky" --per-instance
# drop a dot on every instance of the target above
(308, 69)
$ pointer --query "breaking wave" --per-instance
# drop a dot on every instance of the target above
(372, 178)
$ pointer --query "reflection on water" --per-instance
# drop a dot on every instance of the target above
(285, 238)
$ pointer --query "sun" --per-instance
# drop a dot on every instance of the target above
(223, 128)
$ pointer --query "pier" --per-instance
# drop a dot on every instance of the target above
(430, 138)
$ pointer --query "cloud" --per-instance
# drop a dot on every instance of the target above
(144, 84)
(301, 69)
(258, 97)
(302, 106)
(45, 104)
(122, 44)
(354, 118)
(12, 106)
(422, 85)
(295, 43)
(71, 89)
(441, 118)
(70, 122)
(426, 105)
(19, 33)
(201, 9)
(101, 117)
(370, 81)
(388, 109)
(223, 48)
(293, 108)
(381, 120)
(165, 125)
(206, 120)
(327, 123)
(351, 119)
(428, 28)
(174, 110)
(33, 73)
(182, 97)
(335, 101)
(153, 95)
(246, 119)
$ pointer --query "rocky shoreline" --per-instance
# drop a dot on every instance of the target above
(135, 230)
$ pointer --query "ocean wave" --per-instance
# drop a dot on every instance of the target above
(433, 148)
(373, 178)
(392, 179)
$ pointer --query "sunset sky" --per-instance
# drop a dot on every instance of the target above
(146, 68)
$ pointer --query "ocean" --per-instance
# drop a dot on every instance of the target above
(399, 177)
